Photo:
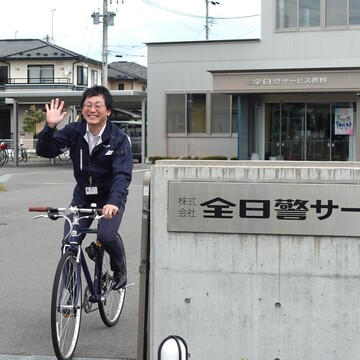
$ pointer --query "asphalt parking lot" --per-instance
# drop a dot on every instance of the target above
(29, 255)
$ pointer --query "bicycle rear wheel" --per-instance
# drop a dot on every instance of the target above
(111, 308)
(66, 307)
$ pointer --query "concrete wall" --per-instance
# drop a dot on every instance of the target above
(253, 296)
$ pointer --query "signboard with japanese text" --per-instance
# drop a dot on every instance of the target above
(264, 208)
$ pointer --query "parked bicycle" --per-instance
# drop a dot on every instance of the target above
(4, 154)
(22, 153)
(67, 302)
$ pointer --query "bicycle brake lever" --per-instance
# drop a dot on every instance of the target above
(39, 216)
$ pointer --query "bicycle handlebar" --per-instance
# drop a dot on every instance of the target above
(71, 209)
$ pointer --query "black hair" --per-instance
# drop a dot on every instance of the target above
(96, 91)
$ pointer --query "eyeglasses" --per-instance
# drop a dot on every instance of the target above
(97, 106)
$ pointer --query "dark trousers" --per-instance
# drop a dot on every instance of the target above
(108, 237)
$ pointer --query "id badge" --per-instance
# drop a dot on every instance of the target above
(91, 190)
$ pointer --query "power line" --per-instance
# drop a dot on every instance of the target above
(151, 3)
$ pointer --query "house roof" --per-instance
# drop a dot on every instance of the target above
(19, 49)
(123, 70)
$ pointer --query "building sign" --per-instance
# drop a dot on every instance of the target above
(293, 81)
(344, 121)
(283, 81)
(264, 208)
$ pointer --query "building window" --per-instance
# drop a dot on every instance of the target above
(186, 113)
(336, 13)
(309, 13)
(41, 74)
(220, 113)
(121, 86)
(286, 14)
(354, 12)
(196, 113)
(305, 14)
(176, 113)
(82, 75)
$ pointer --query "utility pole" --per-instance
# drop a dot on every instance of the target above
(104, 71)
(207, 16)
(107, 20)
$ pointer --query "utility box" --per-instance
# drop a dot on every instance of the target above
(254, 260)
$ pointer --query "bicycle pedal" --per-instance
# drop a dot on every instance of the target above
(129, 285)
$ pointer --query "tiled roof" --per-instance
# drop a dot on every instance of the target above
(123, 70)
(15, 49)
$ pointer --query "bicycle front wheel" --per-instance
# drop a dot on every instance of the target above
(66, 307)
(111, 307)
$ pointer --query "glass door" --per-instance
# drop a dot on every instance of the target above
(308, 131)
(318, 132)
(284, 131)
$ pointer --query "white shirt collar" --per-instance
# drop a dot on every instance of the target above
(93, 140)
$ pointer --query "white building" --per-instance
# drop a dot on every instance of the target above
(292, 95)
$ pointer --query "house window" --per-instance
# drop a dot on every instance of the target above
(40, 74)
(186, 113)
(121, 86)
(82, 75)
(94, 77)
(3, 75)
(304, 14)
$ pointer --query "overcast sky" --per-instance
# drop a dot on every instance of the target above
(69, 23)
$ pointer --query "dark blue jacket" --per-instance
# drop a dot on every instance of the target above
(110, 164)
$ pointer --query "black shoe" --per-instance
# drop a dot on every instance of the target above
(119, 281)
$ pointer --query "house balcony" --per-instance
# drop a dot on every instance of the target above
(14, 84)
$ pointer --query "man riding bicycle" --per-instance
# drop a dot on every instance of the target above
(102, 162)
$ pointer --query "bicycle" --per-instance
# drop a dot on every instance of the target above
(66, 299)
(22, 153)
(4, 154)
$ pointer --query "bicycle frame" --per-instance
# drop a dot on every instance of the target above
(74, 245)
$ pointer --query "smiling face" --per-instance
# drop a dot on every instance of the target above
(95, 113)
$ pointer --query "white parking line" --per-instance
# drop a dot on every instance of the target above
(4, 178)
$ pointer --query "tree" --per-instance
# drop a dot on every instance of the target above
(33, 116)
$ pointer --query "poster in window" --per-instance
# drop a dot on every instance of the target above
(344, 121)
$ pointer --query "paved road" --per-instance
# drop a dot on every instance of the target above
(29, 252)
